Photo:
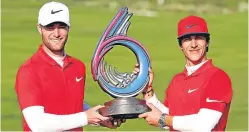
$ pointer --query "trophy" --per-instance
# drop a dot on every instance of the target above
(123, 87)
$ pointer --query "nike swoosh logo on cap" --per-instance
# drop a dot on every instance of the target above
(189, 26)
(53, 12)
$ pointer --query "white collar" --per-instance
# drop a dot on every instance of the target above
(192, 69)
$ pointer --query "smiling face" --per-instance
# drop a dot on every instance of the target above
(194, 49)
(54, 37)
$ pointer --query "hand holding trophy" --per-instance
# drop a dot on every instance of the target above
(124, 87)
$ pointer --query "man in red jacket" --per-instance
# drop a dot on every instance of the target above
(199, 98)
(50, 84)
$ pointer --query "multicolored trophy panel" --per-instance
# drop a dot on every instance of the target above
(111, 81)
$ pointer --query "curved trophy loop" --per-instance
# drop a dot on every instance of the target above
(111, 81)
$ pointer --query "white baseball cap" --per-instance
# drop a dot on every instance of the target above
(53, 12)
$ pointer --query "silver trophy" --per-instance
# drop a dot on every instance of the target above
(124, 87)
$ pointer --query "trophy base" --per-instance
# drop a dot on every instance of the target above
(124, 108)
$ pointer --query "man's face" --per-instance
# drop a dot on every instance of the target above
(194, 48)
(54, 36)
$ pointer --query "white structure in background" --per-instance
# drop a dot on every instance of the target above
(243, 6)
(160, 2)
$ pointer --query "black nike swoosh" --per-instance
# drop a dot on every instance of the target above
(189, 26)
(53, 12)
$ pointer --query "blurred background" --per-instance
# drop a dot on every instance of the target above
(154, 24)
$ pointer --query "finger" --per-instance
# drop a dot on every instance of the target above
(102, 118)
(119, 123)
(110, 118)
(108, 124)
(136, 72)
(151, 74)
(137, 65)
(115, 122)
(150, 105)
(143, 115)
(97, 107)
(96, 120)
(150, 69)
(123, 120)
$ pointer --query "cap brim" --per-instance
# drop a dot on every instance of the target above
(55, 22)
(194, 33)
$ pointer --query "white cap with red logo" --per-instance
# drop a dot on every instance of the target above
(53, 12)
